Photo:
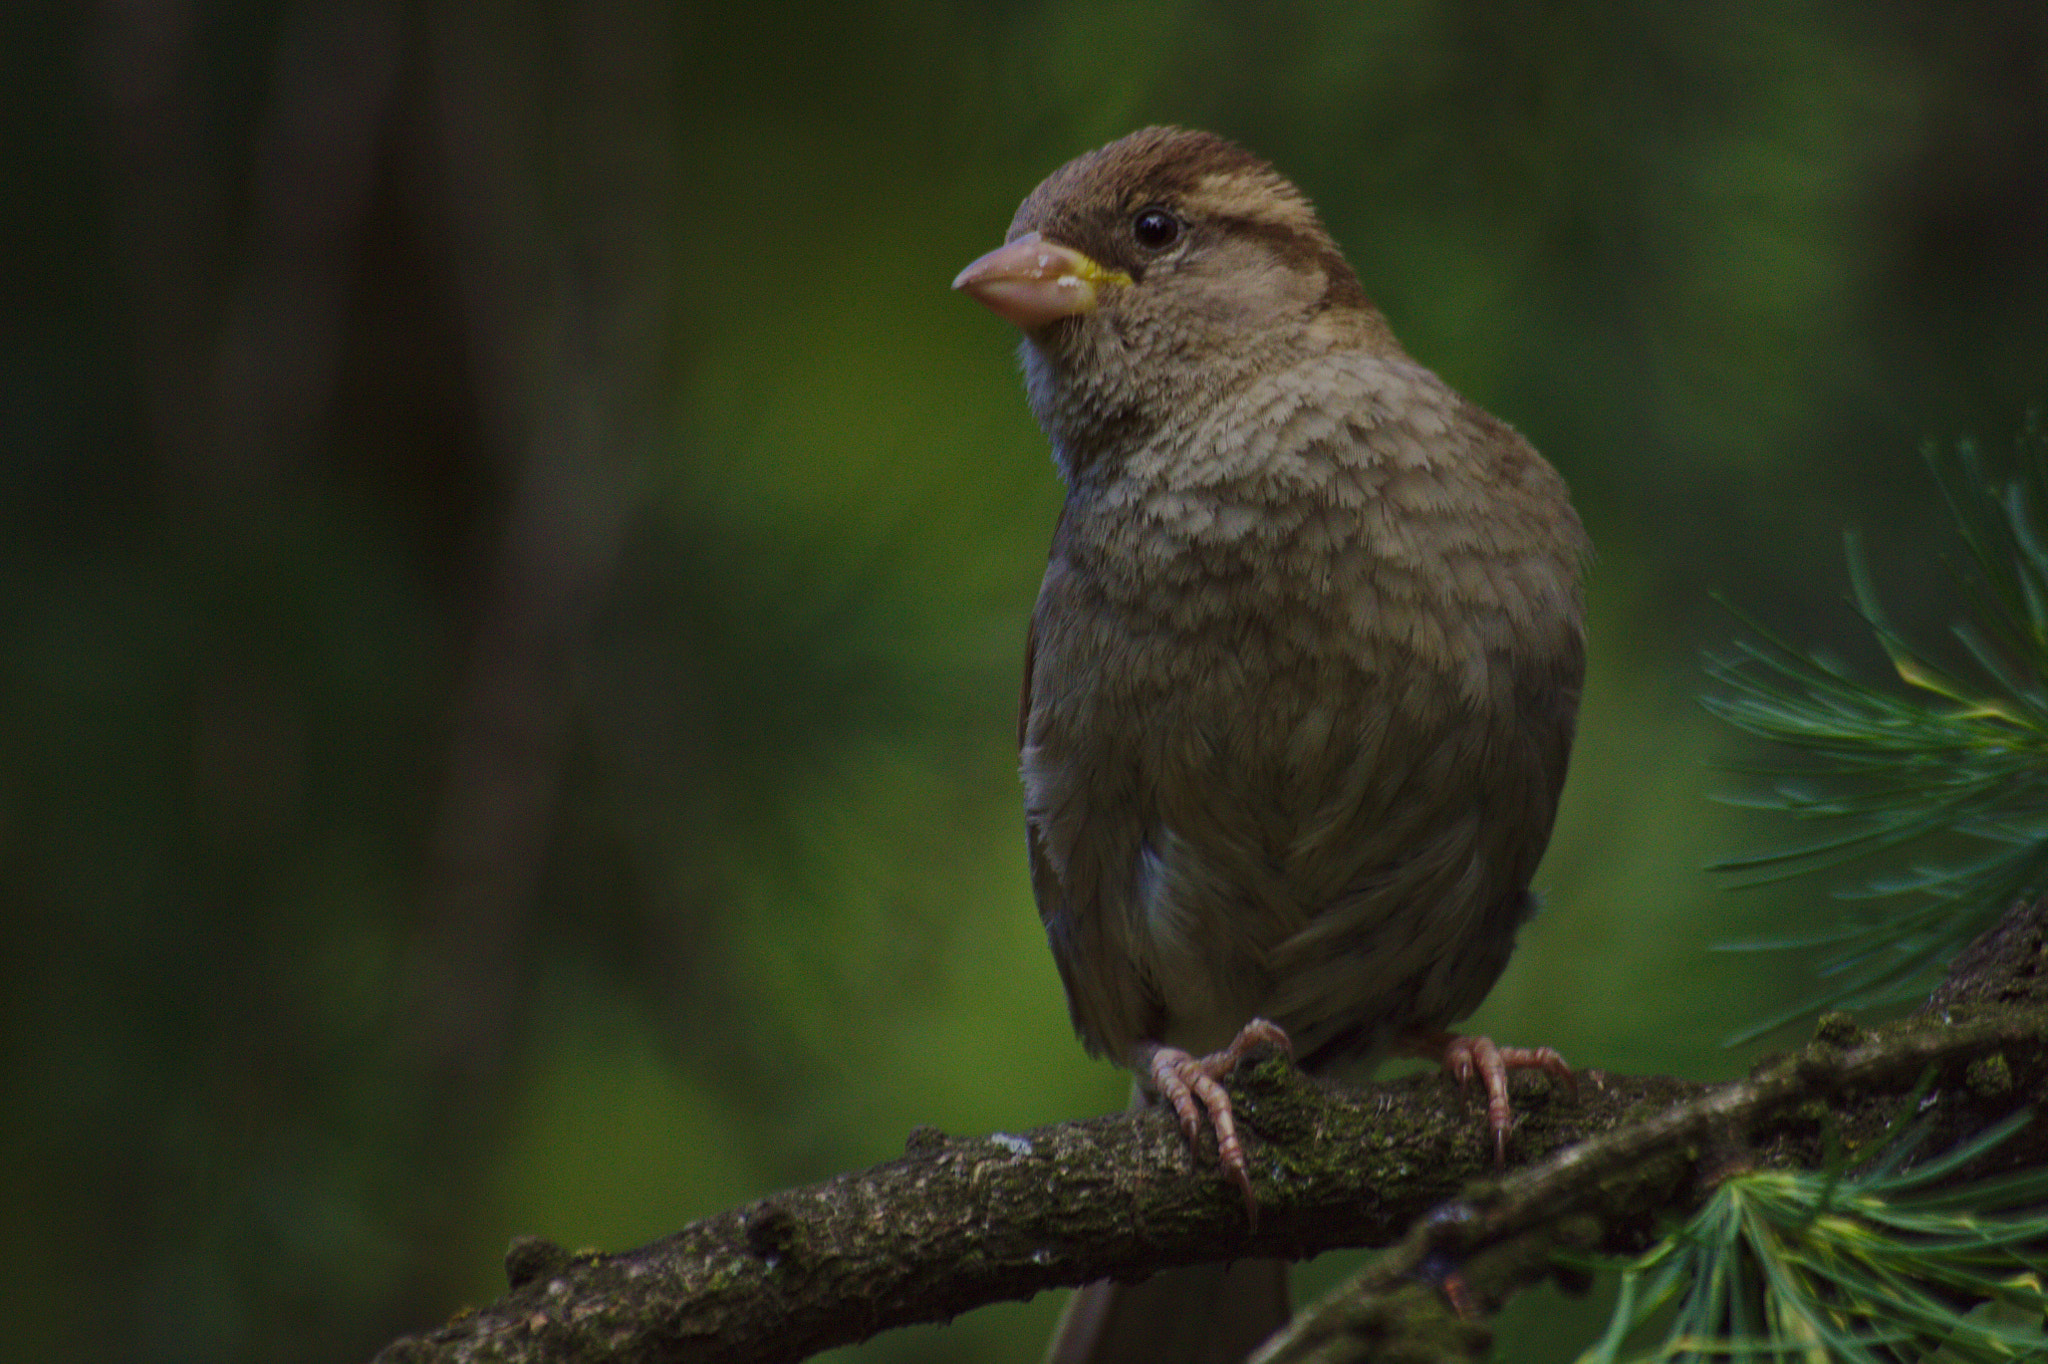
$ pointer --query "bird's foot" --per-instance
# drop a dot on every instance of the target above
(1194, 1086)
(1466, 1057)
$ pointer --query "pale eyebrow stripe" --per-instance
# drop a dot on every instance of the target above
(1265, 198)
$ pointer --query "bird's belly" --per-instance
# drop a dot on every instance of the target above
(1269, 809)
(1334, 858)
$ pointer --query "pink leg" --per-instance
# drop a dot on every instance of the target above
(1194, 1086)
(1465, 1057)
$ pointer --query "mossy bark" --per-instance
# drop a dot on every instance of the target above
(957, 1223)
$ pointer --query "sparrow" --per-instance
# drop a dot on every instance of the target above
(1301, 682)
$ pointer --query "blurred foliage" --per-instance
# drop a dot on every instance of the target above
(512, 564)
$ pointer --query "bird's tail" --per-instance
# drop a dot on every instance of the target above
(1204, 1314)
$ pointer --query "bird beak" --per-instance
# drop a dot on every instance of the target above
(1032, 281)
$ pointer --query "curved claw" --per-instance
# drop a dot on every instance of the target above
(1193, 1085)
(1467, 1057)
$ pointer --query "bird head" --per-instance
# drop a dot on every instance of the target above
(1154, 275)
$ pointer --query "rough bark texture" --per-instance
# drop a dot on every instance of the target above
(957, 1223)
(1976, 1045)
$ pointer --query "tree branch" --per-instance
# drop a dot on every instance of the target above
(1973, 1052)
(959, 1223)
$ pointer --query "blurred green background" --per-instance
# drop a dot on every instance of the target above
(514, 566)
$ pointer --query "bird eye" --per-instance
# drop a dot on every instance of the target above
(1155, 229)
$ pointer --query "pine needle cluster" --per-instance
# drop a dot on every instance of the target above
(1943, 786)
(1957, 763)
(1877, 1266)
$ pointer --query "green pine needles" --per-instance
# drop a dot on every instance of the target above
(1876, 1267)
(1943, 786)
(1958, 764)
